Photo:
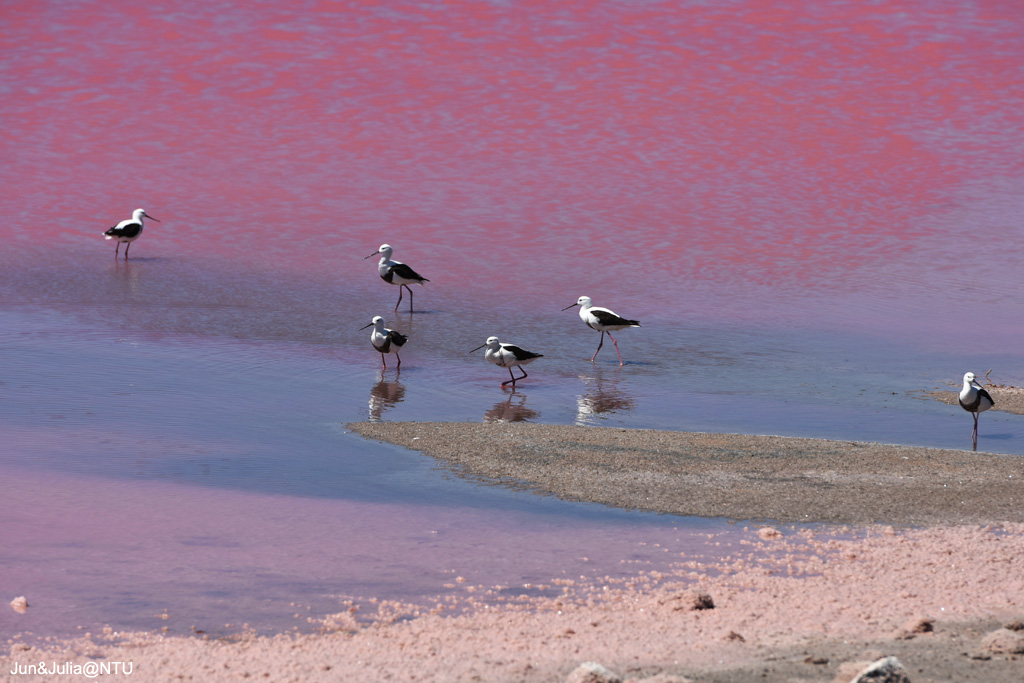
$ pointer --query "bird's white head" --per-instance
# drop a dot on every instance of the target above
(969, 378)
(138, 214)
(491, 343)
(382, 249)
(376, 322)
(582, 301)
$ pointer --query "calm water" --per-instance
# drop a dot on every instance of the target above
(813, 207)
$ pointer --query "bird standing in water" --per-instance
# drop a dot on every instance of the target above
(127, 231)
(603, 320)
(396, 273)
(385, 340)
(508, 356)
(975, 400)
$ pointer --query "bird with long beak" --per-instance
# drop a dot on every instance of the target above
(385, 341)
(975, 400)
(396, 273)
(127, 231)
(508, 356)
(603, 320)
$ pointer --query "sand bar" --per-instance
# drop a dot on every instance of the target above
(727, 475)
(1007, 398)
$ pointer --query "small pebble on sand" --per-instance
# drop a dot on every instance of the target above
(19, 604)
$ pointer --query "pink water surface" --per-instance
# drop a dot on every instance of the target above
(724, 171)
(731, 159)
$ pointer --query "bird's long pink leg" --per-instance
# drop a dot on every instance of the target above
(616, 348)
(600, 344)
(116, 250)
(974, 434)
(410, 296)
(399, 298)
(129, 246)
(510, 381)
(383, 362)
(399, 361)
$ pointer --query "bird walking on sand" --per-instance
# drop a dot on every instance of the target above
(127, 231)
(975, 400)
(603, 320)
(508, 356)
(396, 273)
(385, 340)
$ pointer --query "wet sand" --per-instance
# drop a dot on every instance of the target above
(727, 475)
(792, 605)
(1008, 399)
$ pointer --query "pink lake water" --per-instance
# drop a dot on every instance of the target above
(813, 207)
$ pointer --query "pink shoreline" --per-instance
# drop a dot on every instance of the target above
(776, 593)
(152, 555)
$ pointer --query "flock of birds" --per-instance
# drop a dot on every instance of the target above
(973, 397)
(502, 354)
(387, 341)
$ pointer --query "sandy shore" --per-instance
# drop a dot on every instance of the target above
(1008, 399)
(805, 606)
(727, 475)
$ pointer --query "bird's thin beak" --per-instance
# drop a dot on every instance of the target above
(573, 306)
(365, 326)
(150, 217)
(371, 255)
(478, 348)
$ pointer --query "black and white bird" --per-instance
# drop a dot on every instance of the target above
(508, 356)
(127, 231)
(385, 340)
(975, 400)
(603, 320)
(396, 273)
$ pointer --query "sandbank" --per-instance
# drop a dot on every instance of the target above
(727, 475)
(1007, 398)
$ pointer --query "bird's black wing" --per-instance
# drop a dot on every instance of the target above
(405, 272)
(608, 318)
(130, 230)
(396, 338)
(974, 405)
(521, 354)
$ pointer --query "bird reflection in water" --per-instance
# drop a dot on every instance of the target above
(384, 395)
(601, 396)
(511, 410)
(128, 279)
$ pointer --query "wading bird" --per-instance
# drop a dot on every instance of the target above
(508, 356)
(385, 340)
(602, 320)
(975, 400)
(396, 273)
(127, 231)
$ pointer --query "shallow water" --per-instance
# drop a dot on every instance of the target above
(209, 483)
(813, 208)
